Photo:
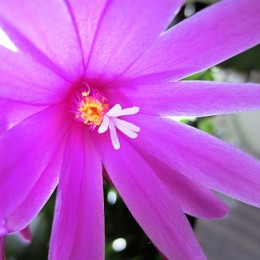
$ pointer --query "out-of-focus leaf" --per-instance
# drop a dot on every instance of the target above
(204, 75)
(206, 125)
(246, 61)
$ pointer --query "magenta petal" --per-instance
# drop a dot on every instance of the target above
(189, 98)
(12, 113)
(31, 205)
(25, 80)
(26, 150)
(127, 28)
(47, 25)
(202, 158)
(28, 76)
(78, 228)
(86, 16)
(193, 198)
(201, 41)
(149, 200)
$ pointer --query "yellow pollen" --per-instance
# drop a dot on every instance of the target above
(92, 109)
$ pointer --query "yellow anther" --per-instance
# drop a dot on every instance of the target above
(92, 109)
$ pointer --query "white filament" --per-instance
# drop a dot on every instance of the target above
(111, 122)
(104, 125)
(114, 111)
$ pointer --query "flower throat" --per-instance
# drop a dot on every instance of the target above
(92, 108)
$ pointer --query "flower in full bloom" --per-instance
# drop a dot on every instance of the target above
(86, 84)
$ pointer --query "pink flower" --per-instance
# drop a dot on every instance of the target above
(88, 82)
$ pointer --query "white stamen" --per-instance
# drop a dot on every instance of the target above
(114, 111)
(113, 134)
(129, 111)
(126, 124)
(127, 128)
(104, 125)
(124, 130)
(112, 122)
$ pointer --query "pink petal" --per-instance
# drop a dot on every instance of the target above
(2, 247)
(12, 113)
(28, 76)
(86, 16)
(26, 150)
(202, 158)
(78, 229)
(149, 201)
(193, 198)
(31, 205)
(48, 26)
(127, 28)
(188, 98)
(201, 41)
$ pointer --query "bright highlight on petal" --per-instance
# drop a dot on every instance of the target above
(111, 122)
(6, 42)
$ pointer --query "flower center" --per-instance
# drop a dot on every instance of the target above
(89, 106)
(92, 109)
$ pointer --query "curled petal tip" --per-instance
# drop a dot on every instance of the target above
(26, 234)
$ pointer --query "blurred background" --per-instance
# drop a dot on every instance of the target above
(235, 237)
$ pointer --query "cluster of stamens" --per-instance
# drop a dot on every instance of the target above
(91, 108)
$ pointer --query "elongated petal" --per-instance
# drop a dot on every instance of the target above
(201, 157)
(201, 41)
(149, 201)
(78, 229)
(193, 198)
(26, 149)
(189, 98)
(25, 80)
(127, 28)
(31, 205)
(86, 16)
(47, 25)
(28, 75)
(11, 113)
